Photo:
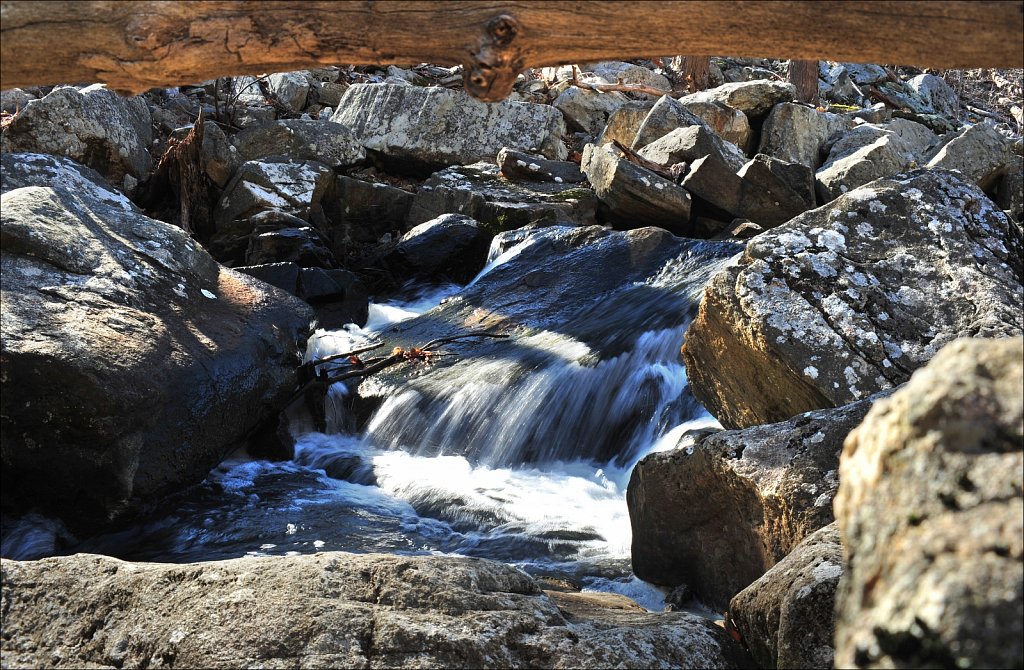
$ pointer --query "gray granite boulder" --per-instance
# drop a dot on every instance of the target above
(518, 165)
(421, 127)
(139, 362)
(980, 152)
(685, 145)
(716, 514)
(753, 98)
(787, 618)
(334, 610)
(451, 247)
(329, 143)
(587, 110)
(290, 88)
(850, 298)
(931, 512)
(92, 126)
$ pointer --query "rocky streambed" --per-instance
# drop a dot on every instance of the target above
(752, 364)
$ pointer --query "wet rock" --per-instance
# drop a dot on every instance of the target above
(452, 247)
(290, 89)
(636, 196)
(92, 126)
(329, 143)
(294, 188)
(284, 276)
(686, 145)
(931, 512)
(750, 496)
(530, 167)
(369, 210)
(583, 297)
(786, 618)
(850, 298)
(140, 363)
(714, 182)
(14, 100)
(339, 297)
(428, 128)
(624, 122)
(303, 246)
(753, 98)
(588, 110)
(499, 204)
(354, 610)
(666, 115)
(980, 152)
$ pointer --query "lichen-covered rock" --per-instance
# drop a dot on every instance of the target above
(798, 133)
(666, 115)
(753, 98)
(936, 93)
(730, 124)
(295, 188)
(980, 152)
(138, 362)
(753, 193)
(530, 167)
(323, 141)
(613, 72)
(420, 127)
(787, 618)
(14, 100)
(623, 123)
(636, 196)
(92, 126)
(717, 514)
(290, 88)
(917, 140)
(932, 515)
(849, 299)
(331, 610)
(478, 191)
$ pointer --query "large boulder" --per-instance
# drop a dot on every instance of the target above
(798, 133)
(666, 115)
(932, 515)
(452, 247)
(479, 191)
(634, 195)
(132, 362)
(685, 145)
(329, 143)
(980, 152)
(753, 98)
(850, 298)
(367, 211)
(290, 88)
(417, 127)
(333, 610)
(587, 110)
(297, 189)
(93, 126)
(787, 618)
(715, 515)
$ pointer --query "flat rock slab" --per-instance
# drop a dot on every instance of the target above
(437, 127)
(787, 617)
(331, 610)
(850, 298)
(931, 511)
(715, 515)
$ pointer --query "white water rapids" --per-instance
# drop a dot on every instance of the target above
(377, 491)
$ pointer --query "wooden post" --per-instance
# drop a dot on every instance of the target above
(134, 46)
(804, 75)
(695, 71)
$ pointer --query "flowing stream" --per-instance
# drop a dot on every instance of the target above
(522, 457)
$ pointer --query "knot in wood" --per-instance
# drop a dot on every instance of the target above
(496, 61)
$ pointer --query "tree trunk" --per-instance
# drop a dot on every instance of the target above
(133, 46)
(695, 71)
(804, 75)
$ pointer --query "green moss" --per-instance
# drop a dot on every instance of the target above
(571, 194)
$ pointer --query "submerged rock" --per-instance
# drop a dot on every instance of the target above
(932, 515)
(717, 514)
(849, 299)
(428, 128)
(332, 610)
(139, 363)
(787, 617)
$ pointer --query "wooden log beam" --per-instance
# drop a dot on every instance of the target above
(133, 46)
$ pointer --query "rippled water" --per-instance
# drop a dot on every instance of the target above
(382, 491)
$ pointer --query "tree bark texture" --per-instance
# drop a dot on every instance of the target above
(804, 75)
(133, 46)
(695, 71)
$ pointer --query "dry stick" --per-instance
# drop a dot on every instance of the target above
(453, 338)
(347, 354)
(637, 159)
